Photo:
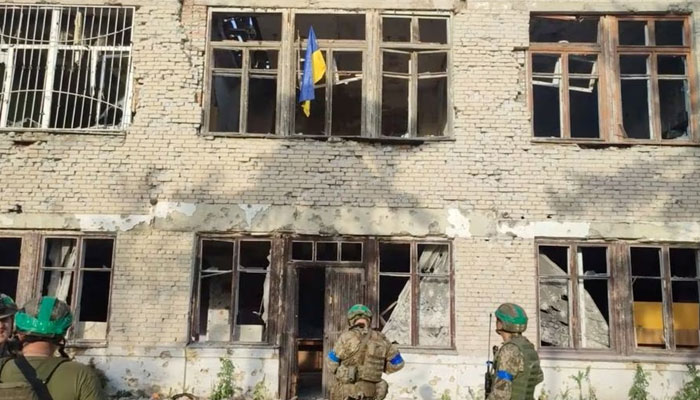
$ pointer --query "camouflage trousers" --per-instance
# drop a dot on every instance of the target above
(360, 390)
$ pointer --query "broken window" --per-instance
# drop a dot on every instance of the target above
(65, 68)
(10, 251)
(415, 56)
(407, 95)
(243, 67)
(337, 107)
(234, 274)
(665, 297)
(653, 100)
(565, 97)
(78, 270)
(574, 287)
(415, 294)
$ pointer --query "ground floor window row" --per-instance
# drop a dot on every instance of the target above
(246, 288)
(618, 297)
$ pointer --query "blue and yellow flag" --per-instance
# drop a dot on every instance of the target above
(314, 69)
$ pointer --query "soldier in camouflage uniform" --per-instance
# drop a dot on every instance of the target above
(7, 313)
(360, 357)
(517, 367)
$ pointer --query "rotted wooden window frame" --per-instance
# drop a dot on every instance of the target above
(667, 295)
(414, 279)
(622, 326)
(270, 335)
(609, 92)
(77, 279)
(290, 49)
(572, 278)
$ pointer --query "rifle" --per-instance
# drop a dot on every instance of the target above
(489, 365)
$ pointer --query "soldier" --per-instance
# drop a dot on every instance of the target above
(517, 367)
(8, 308)
(360, 357)
(41, 327)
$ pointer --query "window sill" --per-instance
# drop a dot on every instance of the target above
(610, 356)
(86, 344)
(381, 139)
(230, 345)
(599, 143)
(35, 134)
(446, 351)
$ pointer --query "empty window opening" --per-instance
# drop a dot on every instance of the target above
(564, 29)
(215, 291)
(565, 85)
(302, 251)
(574, 299)
(234, 281)
(414, 82)
(331, 26)
(310, 335)
(243, 80)
(648, 296)
(79, 272)
(337, 105)
(555, 321)
(65, 68)
(593, 292)
(430, 277)
(326, 251)
(650, 58)
(351, 252)
(633, 33)
(10, 252)
(685, 303)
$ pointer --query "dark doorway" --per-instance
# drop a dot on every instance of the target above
(312, 298)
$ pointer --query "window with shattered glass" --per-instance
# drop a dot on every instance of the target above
(644, 62)
(78, 270)
(65, 68)
(233, 290)
(415, 293)
(665, 297)
(10, 252)
(574, 296)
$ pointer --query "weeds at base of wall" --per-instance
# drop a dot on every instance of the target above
(227, 389)
(691, 388)
(640, 385)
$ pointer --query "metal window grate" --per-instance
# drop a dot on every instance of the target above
(65, 68)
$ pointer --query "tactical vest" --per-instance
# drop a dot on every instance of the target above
(523, 386)
(23, 390)
(369, 358)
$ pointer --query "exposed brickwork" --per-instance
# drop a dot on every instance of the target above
(491, 167)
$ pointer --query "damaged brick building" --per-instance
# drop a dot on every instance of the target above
(158, 174)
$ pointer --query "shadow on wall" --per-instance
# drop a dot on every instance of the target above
(646, 182)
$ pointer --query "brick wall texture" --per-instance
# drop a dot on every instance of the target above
(492, 166)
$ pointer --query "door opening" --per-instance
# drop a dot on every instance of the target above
(311, 310)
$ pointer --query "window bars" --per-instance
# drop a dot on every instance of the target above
(65, 68)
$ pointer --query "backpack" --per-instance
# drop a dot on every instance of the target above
(33, 388)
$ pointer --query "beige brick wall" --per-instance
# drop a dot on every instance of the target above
(491, 169)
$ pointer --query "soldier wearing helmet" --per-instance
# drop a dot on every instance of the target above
(517, 367)
(7, 313)
(360, 357)
(41, 326)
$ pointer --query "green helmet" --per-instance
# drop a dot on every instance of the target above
(8, 307)
(513, 317)
(358, 311)
(45, 317)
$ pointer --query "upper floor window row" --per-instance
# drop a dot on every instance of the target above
(613, 78)
(386, 75)
(65, 68)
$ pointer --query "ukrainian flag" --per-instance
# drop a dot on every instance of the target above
(314, 69)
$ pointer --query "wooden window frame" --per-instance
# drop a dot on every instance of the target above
(414, 279)
(572, 278)
(273, 272)
(622, 331)
(289, 53)
(609, 89)
(18, 267)
(77, 279)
